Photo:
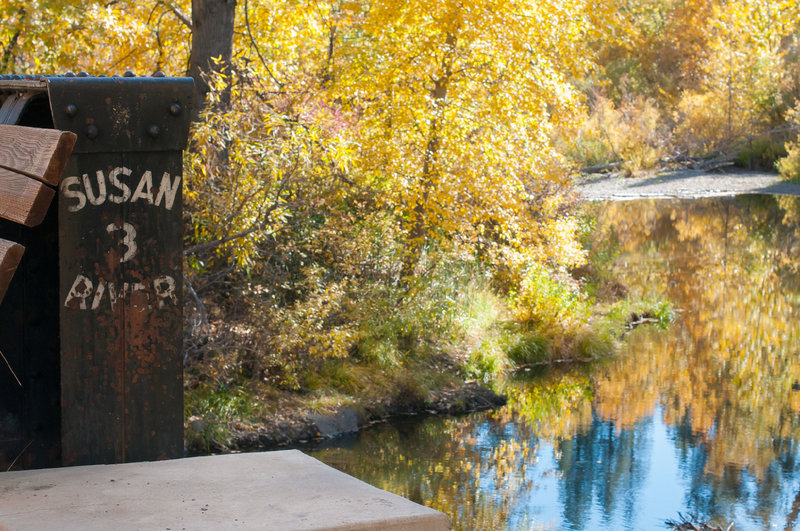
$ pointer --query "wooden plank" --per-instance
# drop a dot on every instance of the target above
(10, 255)
(14, 106)
(38, 153)
(22, 199)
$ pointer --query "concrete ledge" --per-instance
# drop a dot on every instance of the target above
(284, 490)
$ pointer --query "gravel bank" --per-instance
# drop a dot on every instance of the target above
(684, 184)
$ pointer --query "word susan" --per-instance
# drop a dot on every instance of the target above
(118, 188)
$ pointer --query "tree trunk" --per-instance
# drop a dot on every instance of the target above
(418, 232)
(212, 47)
(10, 49)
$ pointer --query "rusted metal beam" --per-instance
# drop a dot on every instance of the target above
(121, 282)
(100, 358)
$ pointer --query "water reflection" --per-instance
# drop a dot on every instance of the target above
(702, 419)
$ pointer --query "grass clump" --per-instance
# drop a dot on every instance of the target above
(529, 350)
(631, 313)
(212, 412)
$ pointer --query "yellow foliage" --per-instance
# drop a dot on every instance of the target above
(54, 36)
(455, 105)
(789, 166)
(631, 132)
(702, 123)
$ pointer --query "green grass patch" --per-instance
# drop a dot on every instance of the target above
(213, 411)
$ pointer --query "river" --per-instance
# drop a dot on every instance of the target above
(701, 419)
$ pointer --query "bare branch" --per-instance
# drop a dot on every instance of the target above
(216, 243)
(201, 308)
(178, 13)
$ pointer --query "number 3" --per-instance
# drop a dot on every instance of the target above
(128, 239)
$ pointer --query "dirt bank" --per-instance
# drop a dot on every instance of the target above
(297, 428)
(685, 184)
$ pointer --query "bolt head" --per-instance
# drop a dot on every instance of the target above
(153, 131)
(92, 132)
(71, 110)
(175, 109)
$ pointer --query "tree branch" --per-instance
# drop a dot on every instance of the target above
(256, 48)
(178, 14)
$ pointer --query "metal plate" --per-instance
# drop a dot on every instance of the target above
(121, 114)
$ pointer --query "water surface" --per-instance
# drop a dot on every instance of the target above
(703, 418)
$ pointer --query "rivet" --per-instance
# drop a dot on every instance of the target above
(128, 73)
(83, 74)
(159, 74)
(175, 109)
(91, 132)
(70, 74)
(71, 110)
(153, 130)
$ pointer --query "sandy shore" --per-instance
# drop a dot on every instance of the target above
(684, 184)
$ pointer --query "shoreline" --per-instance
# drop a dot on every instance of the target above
(300, 428)
(683, 184)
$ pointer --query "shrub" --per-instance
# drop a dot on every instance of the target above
(702, 124)
(632, 133)
(215, 410)
(789, 166)
(760, 153)
(547, 301)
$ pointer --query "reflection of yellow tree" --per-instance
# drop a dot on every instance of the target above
(474, 475)
(722, 378)
(730, 362)
(554, 405)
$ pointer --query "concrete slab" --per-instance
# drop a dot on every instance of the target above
(284, 490)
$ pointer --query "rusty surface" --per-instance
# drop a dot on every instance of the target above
(121, 293)
(115, 392)
(112, 114)
(121, 284)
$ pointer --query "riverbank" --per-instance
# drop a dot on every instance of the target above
(296, 427)
(684, 184)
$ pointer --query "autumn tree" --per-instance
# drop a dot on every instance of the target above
(653, 48)
(455, 104)
(56, 36)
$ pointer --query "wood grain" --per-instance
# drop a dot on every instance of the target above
(38, 153)
(10, 255)
(22, 199)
